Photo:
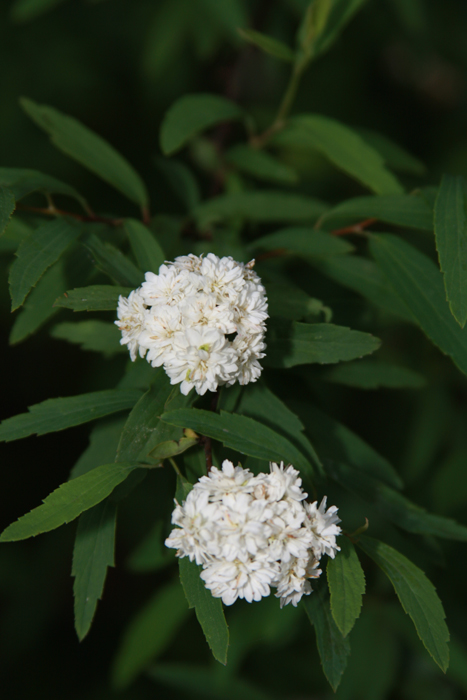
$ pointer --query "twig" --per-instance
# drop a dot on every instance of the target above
(355, 228)
(53, 211)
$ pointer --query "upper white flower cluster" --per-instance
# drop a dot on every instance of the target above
(251, 533)
(181, 317)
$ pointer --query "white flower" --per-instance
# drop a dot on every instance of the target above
(157, 335)
(131, 314)
(251, 533)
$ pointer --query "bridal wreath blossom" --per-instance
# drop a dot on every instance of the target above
(202, 318)
(251, 533)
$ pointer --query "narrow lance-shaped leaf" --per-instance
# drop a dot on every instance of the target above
(68, 501)
(181, 180)
(58, 414)
(37, 253)
(261, 165)
(147, 251)
(268, 44)
(110, 260)
(451, 242)
(395, 157)
(149, 633)
(23, 181)
(419, 283)
(346, 585)
(417, 596)
(333, 648)
(373, 374)
(303, 241)
(399, 209)
(92, 554)
(324, 343)
(99, 297)
(192, 114)
(7, 207)
(343, 147)
(339, 14)
(89, 149)
(94, 335)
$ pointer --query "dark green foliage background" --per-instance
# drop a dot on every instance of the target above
(400, 68)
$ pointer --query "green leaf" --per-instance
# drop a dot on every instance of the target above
(303, 241)
(374, 374)
(151, 554)
(22, 181)
(68, 501)
(363, 276)
(338, 16)
(25, 10)
(208, 609)
(92, 554)
(191, 115)
(147, 251)
(103, 443)
(58, 414)
(14, 234)
(343, 147)
(286, 301)
(7, 207)
(113, 263)
(37, 253)
(339, 443)
(333, 648)
(89, 149)
(39, 306)
(271, 46)
(261, 165)
(245, 435)
(451, 242)
(264, 206)
(149, 633)
(98, 297)
(393, 505)
(98, 336)
(394, 155)
(182, 181)
(419, 283)
(346, 582)
(405, 210)
(417, 596)
(144, 419)
(324, 343)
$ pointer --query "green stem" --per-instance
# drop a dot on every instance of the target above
(175, 466)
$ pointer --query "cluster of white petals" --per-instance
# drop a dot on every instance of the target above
(253, 533)
(181, 318)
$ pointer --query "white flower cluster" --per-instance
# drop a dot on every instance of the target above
(181, 318)
(251, 533)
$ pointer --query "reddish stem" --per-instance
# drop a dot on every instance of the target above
(355, 228)
(90, 218)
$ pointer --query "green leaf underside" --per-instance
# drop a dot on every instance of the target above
(114, 263)
(88, 149)
(264, 206)
(323, 343)
(103, 443)
(191, 115)
(286, 301)
(364, 277)
(68, 501)
(346, 585)
(303, 241)
(417, 596)
(261, 165)
(268, 44)
(23, 181)
(337, 442)
(147, 251)
(451, 242)
(57, 414)
(190, 679)
(394, 155)
(92, 554)
(208, 609)
(149, 633)
(333, 648)
(419, 284)
(151, 554)
(393, 505)
(37, 253)
(343, 147)
(39, 306)
(374, 374)
(245, 435)
(98, 336)
(7, 207)
(410, 211)
(98, 297)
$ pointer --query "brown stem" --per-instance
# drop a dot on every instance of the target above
(355, 228)
(52, 211)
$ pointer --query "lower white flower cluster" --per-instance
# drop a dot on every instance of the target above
(181, 318)
(251, 533)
